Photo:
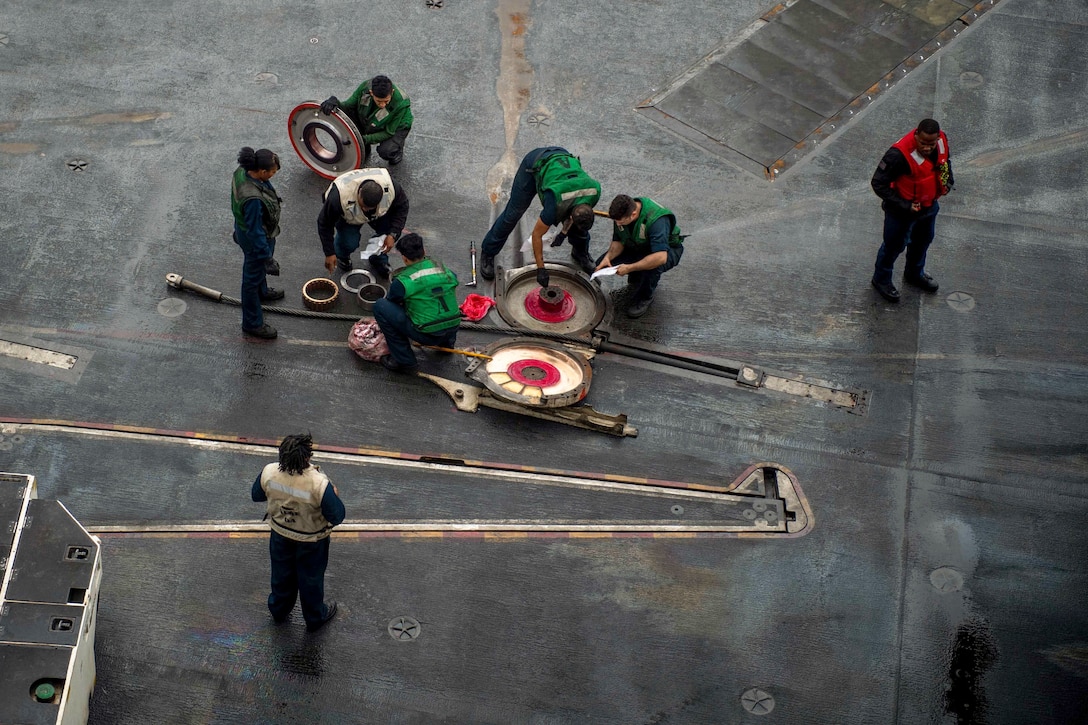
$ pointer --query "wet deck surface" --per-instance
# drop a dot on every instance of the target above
(943, 573)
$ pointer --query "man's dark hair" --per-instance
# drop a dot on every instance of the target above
(295, 453)
(621, 206)
(381, 87)
(411, 246)
(370, 193)
(928, 125)
(581, 217)
(259, 160)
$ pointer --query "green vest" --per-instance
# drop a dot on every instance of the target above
(242, 189)
(562, 175)
(634, 234)
(377, 124)
(429, 297)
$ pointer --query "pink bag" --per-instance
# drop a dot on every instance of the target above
(367, 340)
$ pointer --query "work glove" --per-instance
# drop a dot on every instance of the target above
(329, 105)
(542, 277)
(559, 239)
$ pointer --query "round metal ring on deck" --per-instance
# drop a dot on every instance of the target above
(319, 294)
(369, 294)
(538, 373)
(515, 288)
(329, 144)
(362, 276)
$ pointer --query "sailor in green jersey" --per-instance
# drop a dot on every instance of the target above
(381, 112)
(421, 305)
(567, 194)
(646, 243)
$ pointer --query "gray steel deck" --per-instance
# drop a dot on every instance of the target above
(944, 571)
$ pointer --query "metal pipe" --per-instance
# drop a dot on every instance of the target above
(662, 358)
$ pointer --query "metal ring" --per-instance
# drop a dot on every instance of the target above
(319, 150)
(338, 148)
(320, 293)
(369, 294)
(352, 289)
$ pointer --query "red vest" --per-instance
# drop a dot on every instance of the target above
(923, 183)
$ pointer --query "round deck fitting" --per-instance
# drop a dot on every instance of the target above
(319, 294)
(369, 294)
(550, 304)
(534, 372)
(515, 288)
(328, 144)
(355, 280)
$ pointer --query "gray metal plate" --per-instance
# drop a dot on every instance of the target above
(55, 559)
(41, 623)
(763, 99)
(20, 667)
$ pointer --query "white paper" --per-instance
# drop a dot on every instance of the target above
(373, 246)
(604, 272)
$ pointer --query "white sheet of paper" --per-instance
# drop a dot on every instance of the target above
(373, 246)
(604, 272)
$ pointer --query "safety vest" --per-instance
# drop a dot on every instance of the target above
(634, 234)
(243, 188)
(348, 187)
(562, 175)
(429, 297)
(924, 182)
(294, 502)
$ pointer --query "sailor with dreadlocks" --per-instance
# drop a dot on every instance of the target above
(303, 506)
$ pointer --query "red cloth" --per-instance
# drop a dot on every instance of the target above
(475, 307)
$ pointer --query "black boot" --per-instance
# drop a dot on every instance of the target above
(581, 258)
(487, 266)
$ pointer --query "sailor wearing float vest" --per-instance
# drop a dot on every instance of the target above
(567, 194)
(355, 198)
(914, 173)
(421, 305)
(303, 507)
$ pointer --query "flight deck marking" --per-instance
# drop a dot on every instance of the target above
(768, 496)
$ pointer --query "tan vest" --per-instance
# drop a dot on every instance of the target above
(348, 187)
(294, 502)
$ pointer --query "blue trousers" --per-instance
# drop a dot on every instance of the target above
(254, 282)
(399, 330)
(914, 233)
(522, 192)
(298, 569)
(349, 236)
(644, 283)
(391, 149)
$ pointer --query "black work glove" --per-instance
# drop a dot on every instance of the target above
(559, 239)
(542, 277)
(329, 105)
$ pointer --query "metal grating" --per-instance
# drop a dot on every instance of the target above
(801, 73)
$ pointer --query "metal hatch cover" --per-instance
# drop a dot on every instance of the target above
(514, 286)
(800, 73)
(533, 372)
